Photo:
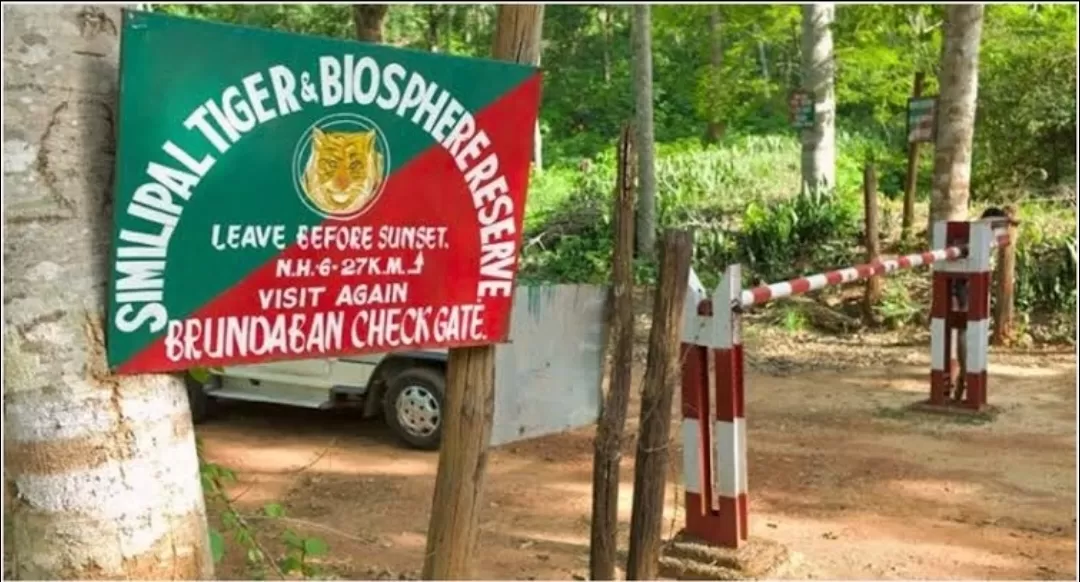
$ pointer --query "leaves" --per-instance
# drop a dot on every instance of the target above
(217, 545)
(200, 375)
(274, 510)
(314, 547)
(291, 563)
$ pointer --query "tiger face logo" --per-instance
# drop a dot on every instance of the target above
(340, 165)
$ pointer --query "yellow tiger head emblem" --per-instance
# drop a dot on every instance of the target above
(344, 170)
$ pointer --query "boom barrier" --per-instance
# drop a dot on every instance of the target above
(714, 433)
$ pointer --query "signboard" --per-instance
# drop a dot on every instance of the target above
(920, 119)
(280, 196)
(801, 105)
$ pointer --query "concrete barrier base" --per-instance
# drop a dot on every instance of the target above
(686, 558)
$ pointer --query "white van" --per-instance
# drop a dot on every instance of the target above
(407, 388)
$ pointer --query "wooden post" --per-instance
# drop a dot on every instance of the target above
(468, 409)
(469, 405)
(912, 171)
(1004, 308)
(873, 247)
(609, 432)
(661, 374)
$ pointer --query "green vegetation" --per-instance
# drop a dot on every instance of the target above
(294, 552)
(740, 191)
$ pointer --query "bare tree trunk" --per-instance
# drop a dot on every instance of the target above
(644, 140)
(763, 59)
(369, 19)
(101, 475)
(818, 74)
(958, 84)
(874, 285)
(658, 388)
(432, 32)
(519, 29)
(603, 541)
(715, 130)
(605, 31)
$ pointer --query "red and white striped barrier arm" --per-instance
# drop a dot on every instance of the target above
(766, 293)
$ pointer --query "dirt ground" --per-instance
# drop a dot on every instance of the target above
(841, 473)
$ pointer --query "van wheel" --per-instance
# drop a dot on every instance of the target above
(413, 406)
(202, 405)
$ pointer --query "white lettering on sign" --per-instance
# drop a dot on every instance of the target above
(261, 97)
(239, 236)
(292, 334)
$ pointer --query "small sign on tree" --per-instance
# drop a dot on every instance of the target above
(920, 119)
(281, 196)
(801, 109)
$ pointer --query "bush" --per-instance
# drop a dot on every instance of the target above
(737, 197)
(742, 200)
(1046, 259)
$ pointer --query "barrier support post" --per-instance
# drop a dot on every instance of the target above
(961, 327)
(942, 340)
(696, 433)
(730, 463)
(980, 241)
(714, 447)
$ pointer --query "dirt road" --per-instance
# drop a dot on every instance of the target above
(840, 472)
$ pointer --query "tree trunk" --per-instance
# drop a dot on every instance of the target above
(661, 374)
(715, 130)
(470, 396)
(818, 73)
(433, 15)
(605, 31)
(875, 284)
(763, 60)
(101, 473)
(519, 29)
(1005, 292)
(603, 543)
(643, 138)
(958, 82)
(369, 19)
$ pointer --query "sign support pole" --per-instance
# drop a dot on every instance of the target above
(470, 391)
(912, 175)
(469, 407)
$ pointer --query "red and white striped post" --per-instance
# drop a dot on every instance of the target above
(980, 242)
(714, 448)
(948, 320)
(730, 463)
(943, 321)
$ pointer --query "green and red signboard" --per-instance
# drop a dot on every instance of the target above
(281, 196)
